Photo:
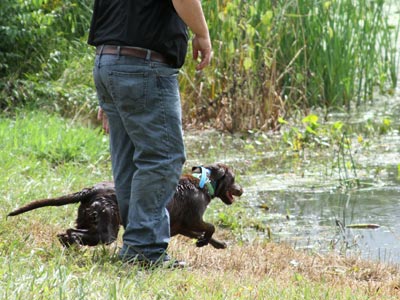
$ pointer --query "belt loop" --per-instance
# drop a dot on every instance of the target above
(100, 54)
(118, 51)
(148, 55)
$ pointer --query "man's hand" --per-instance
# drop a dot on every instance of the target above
(191, 12)
(101, 116)
(203, 46)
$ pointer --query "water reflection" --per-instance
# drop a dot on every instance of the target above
(318, 221)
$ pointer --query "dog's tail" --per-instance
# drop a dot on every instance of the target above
(67, 199)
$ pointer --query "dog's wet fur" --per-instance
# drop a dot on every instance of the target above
(98, 218)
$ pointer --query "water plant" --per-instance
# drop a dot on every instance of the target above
(313, 135)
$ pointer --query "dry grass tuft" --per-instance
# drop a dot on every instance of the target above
(260, 261)
(282, 263)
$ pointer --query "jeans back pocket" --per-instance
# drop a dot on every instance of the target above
(129, 90)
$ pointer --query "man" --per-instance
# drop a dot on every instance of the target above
(140, 46)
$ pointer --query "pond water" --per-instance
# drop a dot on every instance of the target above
(300, 197)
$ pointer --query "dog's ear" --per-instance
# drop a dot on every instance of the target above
(217, 171)
(196, 170)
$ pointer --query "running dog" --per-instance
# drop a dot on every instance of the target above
(98, 218)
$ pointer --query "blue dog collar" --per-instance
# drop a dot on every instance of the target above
(205, 180)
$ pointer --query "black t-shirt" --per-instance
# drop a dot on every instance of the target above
(150, 24)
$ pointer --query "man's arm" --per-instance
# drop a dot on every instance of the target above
(191, 12)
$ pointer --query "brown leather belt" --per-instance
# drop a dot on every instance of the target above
(131, 51)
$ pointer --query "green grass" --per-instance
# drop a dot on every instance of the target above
(43, 137)
(41, 154)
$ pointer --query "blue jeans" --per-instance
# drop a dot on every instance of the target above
(142, 103)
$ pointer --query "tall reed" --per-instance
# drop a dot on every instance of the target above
(239, 89)
(272, 57)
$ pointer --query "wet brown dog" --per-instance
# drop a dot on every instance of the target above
(98, 218)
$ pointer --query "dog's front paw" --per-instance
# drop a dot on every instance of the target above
(219, 245)
(201, 242)
(64, 239)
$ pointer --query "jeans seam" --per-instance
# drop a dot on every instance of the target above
(168, 140)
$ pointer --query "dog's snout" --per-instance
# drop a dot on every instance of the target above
(237, 190)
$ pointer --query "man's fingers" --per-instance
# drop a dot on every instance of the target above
(105, 124)
(100, 114)
(205, 60)
(195, 53)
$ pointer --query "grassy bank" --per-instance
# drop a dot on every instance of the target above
(44, 155)
(35, 268)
